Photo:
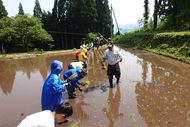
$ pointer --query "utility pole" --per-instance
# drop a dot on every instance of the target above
(118, 32)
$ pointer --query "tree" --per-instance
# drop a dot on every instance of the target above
(99, 6)
(62, 14)
(37, 10)
(91, 16)
(175, 10)
(71, 20)
(20, 11)
(71, 12)
(62, 9)
(46, 20)
(28, 30)
(3, 11)
(104, 18)
(6, 33)
(107, 19)
(77, 13)
(83, 15)
(168, 11)
(146, 13)
(150, 24)
(54, 18)
(55, 9)
(155, 15)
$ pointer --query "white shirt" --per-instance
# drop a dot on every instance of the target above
(82, 46)
(91, 45)
(77, 65)
(40, 119)
(112, 56)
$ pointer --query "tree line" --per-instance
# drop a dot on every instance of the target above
(64, 27)
(168, 15)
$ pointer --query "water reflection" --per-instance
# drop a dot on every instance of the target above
(154, 91)
(9, 69)
(7, 77)
(95, 69)
(112, 108)
(21, 82)
(165, 99)
(79, 113)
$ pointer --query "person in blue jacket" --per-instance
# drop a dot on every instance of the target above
(73, 76)
(53, 87)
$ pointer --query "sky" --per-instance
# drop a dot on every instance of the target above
(126, 11)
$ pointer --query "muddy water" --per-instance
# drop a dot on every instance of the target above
(153, 91)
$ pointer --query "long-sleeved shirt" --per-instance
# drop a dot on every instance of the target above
(39, 119)
(53, 88)
(76, 65)
(75, 81)
(112, 56)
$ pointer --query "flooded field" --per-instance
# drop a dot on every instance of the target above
(154, 91)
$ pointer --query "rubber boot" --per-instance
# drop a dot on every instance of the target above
(117, 81)
(111, 82)
(70, 92)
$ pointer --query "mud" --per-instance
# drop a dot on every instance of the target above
(153, 91)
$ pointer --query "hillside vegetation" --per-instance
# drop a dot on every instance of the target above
(172, 44)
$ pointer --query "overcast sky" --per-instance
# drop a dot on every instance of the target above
(127, 11)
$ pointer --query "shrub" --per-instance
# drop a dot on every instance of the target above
(164, 46)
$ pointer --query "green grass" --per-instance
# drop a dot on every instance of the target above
(177, 56)
(34, 54)
(172, 44)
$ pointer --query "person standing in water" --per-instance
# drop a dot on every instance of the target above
(113, 55)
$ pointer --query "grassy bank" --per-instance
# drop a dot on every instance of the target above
(34, 54)
(38, 53)
(172, 44)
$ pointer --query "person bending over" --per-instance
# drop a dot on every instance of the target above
(53, 87)
(77, 65)
(48, 118)
(73, 76)
(83, 55)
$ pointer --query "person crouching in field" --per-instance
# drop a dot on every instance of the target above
(77, 54)
(82, 46)
(53, 87)
(77, 65)
(83, 55)
(48, 118)
(73, 76)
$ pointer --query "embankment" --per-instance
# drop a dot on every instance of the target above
(173, 44)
